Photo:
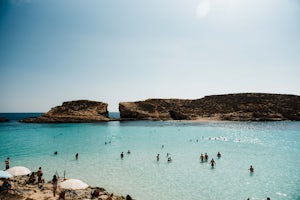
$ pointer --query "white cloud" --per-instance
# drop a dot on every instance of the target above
(203, 9)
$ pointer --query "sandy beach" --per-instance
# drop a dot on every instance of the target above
(22, 191)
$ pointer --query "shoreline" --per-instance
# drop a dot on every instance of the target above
(24, 191)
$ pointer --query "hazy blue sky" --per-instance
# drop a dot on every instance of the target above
(125, 50)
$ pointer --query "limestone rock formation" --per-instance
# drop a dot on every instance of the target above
(233, 107)
(74, 111)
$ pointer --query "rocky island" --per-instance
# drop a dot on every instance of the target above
(233, 107)
(3, 119)
(74, 112)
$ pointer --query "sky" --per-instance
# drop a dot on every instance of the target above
(113, 51)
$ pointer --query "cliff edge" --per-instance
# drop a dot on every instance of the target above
(233, 107)
(74, 112)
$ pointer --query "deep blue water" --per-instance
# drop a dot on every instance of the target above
(273, 148)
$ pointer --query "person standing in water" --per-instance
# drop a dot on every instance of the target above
(122, 155)
(7, 162)
(219, 155)
(76, 156)
(206, 157)
(212, 162)
(157, 157)
(202, 157)
(251, 169)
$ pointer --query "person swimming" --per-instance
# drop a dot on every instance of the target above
(55, 152)
(169, 159)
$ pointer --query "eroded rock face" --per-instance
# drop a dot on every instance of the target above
(74, 111)
(234, 107)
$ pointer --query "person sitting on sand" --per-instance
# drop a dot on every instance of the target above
(55, 184)
(110, 196)
(95, 194)
(128, 197)
(32, 178)
(6, 185)
(62, 195)
(251, 169)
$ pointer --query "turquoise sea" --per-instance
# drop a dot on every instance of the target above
(273, 148)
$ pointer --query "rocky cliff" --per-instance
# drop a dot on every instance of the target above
(234, 107)
(74, 111)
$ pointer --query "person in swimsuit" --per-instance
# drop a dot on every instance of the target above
(55, 184)
(212, 163)
(7, 162)
(202, 157)
(251, 169)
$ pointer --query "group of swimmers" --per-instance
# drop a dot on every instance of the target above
(168, 156)
(204, 158)
(122, 154)
(76, 155)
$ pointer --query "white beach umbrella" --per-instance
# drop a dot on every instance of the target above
(4, 174)
(73, 184)
(18, 171)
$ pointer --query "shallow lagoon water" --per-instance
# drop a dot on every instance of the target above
(273, 148)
